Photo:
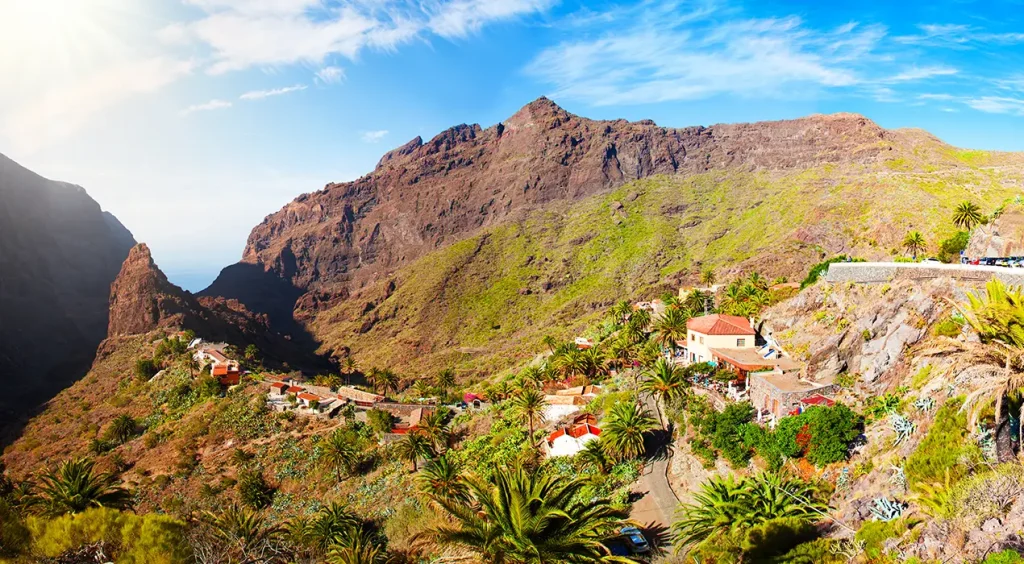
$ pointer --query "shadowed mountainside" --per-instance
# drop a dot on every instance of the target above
(59, 252)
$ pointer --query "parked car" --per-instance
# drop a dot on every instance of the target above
(635, 539)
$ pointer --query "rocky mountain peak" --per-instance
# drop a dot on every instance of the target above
(141, 297)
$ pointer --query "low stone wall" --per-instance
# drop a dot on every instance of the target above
(882, 272)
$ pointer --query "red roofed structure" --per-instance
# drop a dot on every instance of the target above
(818, 399)
(567, 441)
(718, 324)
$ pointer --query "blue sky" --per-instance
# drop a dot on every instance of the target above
(191, 120)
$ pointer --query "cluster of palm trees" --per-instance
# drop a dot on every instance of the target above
(966, 216)
(72, 487)
(747, 297)
(725, 509)
(517, 517)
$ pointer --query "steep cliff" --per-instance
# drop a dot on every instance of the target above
(59, 252)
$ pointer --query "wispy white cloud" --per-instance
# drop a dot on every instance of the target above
(922, 73)
(997, 105)
(374, 136)
(958, 36)
(245, 33)
(206, 106)
(664, 53)
(330, 75)
(261, 94)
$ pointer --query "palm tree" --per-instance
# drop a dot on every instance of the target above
(348, 367)
(433, 426)
(620, 353)
(667, 380)
(373, 378)
(522, 517)
(414, 446)
(707, 277)
(758, 282)
(339, 453)
(641, 318)
(649, 354)
(571, 363)
(322, 531)
(445, 379)
(624, 429)
(914, 243)
(967, 215)
(671, 327)
(595, 362)
(550, 343)
(595, 454)
(724, 505)
(698, 302)
(73, 487)
(422, 389)
(356, 545)
(122, 429)
(245, 531)
(529, 405)
(441, 478)
(621, 311)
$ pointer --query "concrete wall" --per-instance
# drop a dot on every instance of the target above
(881, 272)
(703, 350)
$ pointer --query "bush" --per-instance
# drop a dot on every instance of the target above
(822, 434)
(948, 327)
(822, 267)
(254, 490)
(875, 533)
(776, 537)
(1007, 556)
(146, 368)
(818, 551)
(379, 420)
(989, 494)
(128, 538)
(725, 432)
(945, 447)
(949, 249)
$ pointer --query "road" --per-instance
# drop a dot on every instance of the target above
(655, 510)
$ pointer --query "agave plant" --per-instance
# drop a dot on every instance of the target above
(903, 428)
(925, 404)
(843, 481)
(884, 509)
(987, 443)
(898, 477)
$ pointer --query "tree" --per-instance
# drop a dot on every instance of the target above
(121, 429)
(252, 356)
(670, 328)
(324, 530)
(340, 454)
(348, 368)
(414, 446)
(145, 368)
(522, 517)
(707, 277)
(74, 487)
(595, 454)
(698, 303)
(641, 319)
(441, 478)
(914, 243)
(357, 545)
(620, 353)
(254, 490)
(666, 380)
(389, 380)
(379, 420)
(373, 378)
(244, 533)
(624, 429)
(445, 379)
(967, 215)
(529, 406)
(422, 389)
(621, 311)
(724, 507)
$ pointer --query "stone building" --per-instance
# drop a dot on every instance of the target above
(778, 392)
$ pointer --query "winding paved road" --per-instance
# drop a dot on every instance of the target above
(655, 510)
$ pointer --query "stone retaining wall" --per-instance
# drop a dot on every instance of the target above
(882, 272)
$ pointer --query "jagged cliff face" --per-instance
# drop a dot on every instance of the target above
(59, 252)
(422, 196)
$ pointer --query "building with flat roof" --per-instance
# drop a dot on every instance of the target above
(780, 391)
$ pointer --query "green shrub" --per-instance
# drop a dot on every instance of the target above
(948, 327)
(875, 533)
(945, 447)
(254, 490)
(246, 419)
(949, 249)
(822, 267)
(146, 368)
(725, 432)
(988, 494)
(1007, 556)
(822, 434)
(818, 551)
(776, 537)
(132, 539)
(379, 420)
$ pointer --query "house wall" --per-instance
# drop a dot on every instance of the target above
(765, 396)
(568, 446)
(700, 352)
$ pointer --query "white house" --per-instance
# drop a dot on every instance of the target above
(570, 440)
(716, 332)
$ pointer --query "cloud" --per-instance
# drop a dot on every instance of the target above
(958, 36)
(997, 105)
(241, 34)
(922, 73)
(662, 53)
(374, 136)
(60, 111)
(331, 75)
(261, 94)
(206, 106)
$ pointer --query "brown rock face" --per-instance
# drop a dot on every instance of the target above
(59, 252)
(425, 195)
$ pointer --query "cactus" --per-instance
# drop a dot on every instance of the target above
(885, 510)
(903, 428)
(925, 404)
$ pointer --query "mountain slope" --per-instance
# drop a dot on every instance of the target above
(465, 247)
(59, 252)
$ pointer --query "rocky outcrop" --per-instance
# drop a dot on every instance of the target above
(424, 195)
(59, 252)
(1001, 237)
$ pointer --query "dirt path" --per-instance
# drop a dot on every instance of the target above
(656, 506)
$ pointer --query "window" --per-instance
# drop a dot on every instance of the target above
(741, 342)
(702, 340)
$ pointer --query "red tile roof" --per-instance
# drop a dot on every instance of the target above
(575, 431)
(295, 389)
(309, 397)
(717, 324)
(279, 385)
